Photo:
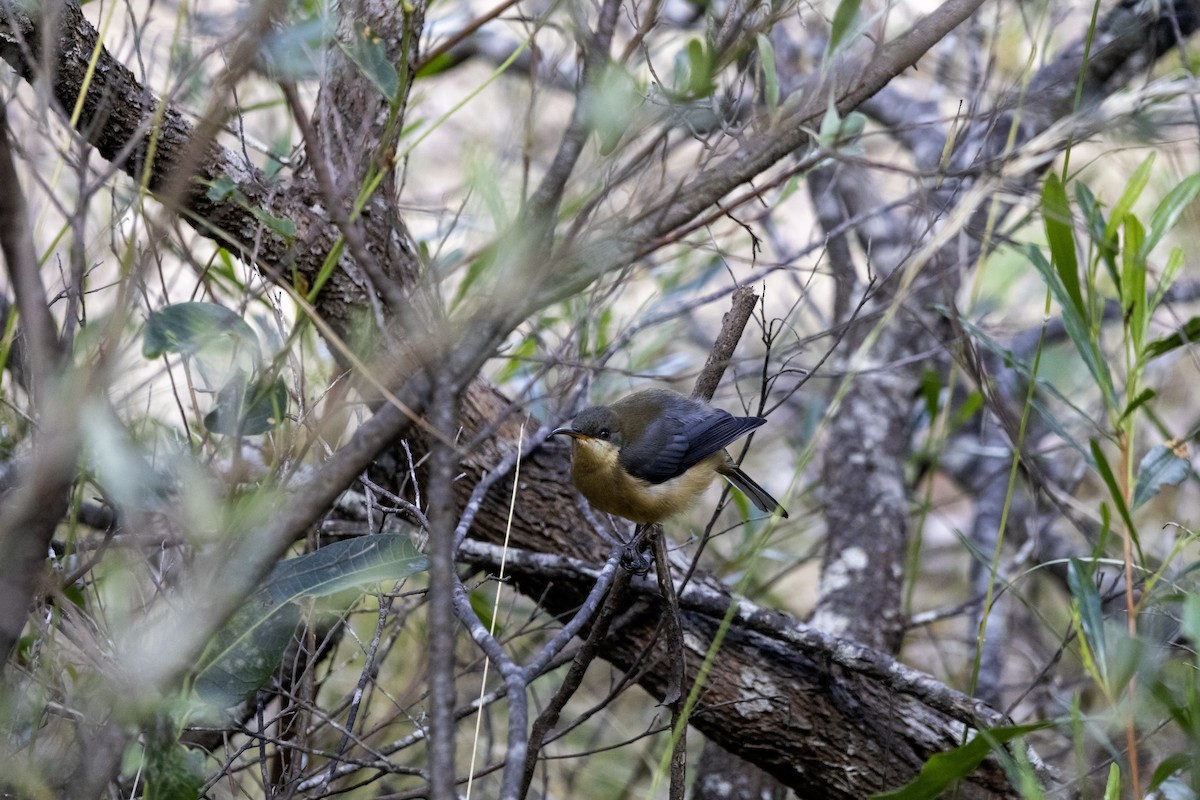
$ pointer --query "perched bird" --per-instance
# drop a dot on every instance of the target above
(652, 454)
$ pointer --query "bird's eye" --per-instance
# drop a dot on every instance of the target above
(604, 434)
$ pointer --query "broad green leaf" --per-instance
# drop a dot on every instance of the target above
(247, 650)
(843, 22)
(1162, 466)
(482, 605)
(1187, 333)
(766, 58)
(700, 70)
(1086, 601)
(223, 188)
(1060, 233)
(942, 770)
(294, 52)
(187, 328)
(219, 340)
(367, 52)
(931, 392)
(610, 104)
(118, 464)
(1167, 213)
(248, 408)
(173, 771)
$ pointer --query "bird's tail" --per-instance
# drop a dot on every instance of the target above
(758, 495)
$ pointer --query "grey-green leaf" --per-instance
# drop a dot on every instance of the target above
(1162, 466)
(369, 55)
(187, 328)
(247, 650)
(248, 408)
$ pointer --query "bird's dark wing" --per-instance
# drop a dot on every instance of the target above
(681, 438)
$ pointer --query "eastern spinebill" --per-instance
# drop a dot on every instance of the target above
(652, 455)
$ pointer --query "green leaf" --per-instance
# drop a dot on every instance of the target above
(610, 105)
(944, 769)
(1169, 273)
(248, 408)
(766, 57)
(843, 22)
(1060, 233)
(223, 188)
(1190, 623)
(1074, 322)
(1187, 333)
(219, 340)
(1112, 789)
(1144, 396)
(173, 772)
(187, 328)
(367, 52)
(247, 650)
(1133, 190)
(281, 225)
(931, 392)
(1133, 282)
(294, 52)
(1086, 601)
(1162, 466)
(700, 70)
(1167, 213)
(1105, 242)
(1114, 491)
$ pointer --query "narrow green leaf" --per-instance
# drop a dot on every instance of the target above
(766, 57)
(281, 225)
(1187, 333)
(843, 22)
(1114, 491)
(1190, 626)
(1112, 789)
(1133, 190)
(944, 769)
(1076, 328)
(1145, 396)
(1087, 605)
(1169, 273)
(1133, 281)
(1060, 233)
(1162, 466)
(1104, 241)
(1167, 213)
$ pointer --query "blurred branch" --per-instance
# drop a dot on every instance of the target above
(32, 508)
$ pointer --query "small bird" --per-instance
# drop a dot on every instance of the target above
(652, 454)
